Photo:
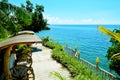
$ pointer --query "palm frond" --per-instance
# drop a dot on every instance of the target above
(3, 17)
(3, 33)
(115, 56)
(24, 16)
(19, 12)
(109, 33)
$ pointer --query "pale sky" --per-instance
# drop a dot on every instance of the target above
(79, 11)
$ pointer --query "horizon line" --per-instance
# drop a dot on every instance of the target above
(83, 24)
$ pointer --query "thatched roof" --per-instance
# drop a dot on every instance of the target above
(20, 39)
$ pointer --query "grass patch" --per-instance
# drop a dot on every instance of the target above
(74, 66)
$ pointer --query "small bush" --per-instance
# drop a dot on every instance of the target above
(45, 40)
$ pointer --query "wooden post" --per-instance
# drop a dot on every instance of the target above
(67, 44)
(78, 54)
(97, 62)
(75, 51)
(75, 48)
(7, 72)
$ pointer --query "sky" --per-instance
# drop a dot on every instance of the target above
(78, 11)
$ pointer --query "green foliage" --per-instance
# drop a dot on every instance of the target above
(9, 9)
(113, 50)
(3, 33)
(45, 39)
(58, 75)
(9, 18)
(78, 70)
(73, 65)
(38, 21)
(29, 6)
(14, 18)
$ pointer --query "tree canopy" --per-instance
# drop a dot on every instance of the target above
(26, 17)
(38, 21)
(113, 52)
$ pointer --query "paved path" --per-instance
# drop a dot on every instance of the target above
(43, 64)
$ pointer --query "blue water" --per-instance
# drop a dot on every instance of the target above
(90, 41)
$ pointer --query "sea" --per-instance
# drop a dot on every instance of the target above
(91, 42)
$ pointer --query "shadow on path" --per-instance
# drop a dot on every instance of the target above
(35, 49)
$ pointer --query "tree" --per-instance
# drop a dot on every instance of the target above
(29, 6)
(115, 47)
(113, 52)
(14, 18)
(38, 21)
(8, 18)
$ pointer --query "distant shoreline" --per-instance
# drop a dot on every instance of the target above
(86, 24)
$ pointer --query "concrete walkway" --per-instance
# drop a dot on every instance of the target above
(43, 64)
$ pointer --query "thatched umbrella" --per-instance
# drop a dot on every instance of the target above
(9, 43)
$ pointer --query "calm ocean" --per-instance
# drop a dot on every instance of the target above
(90, 41)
